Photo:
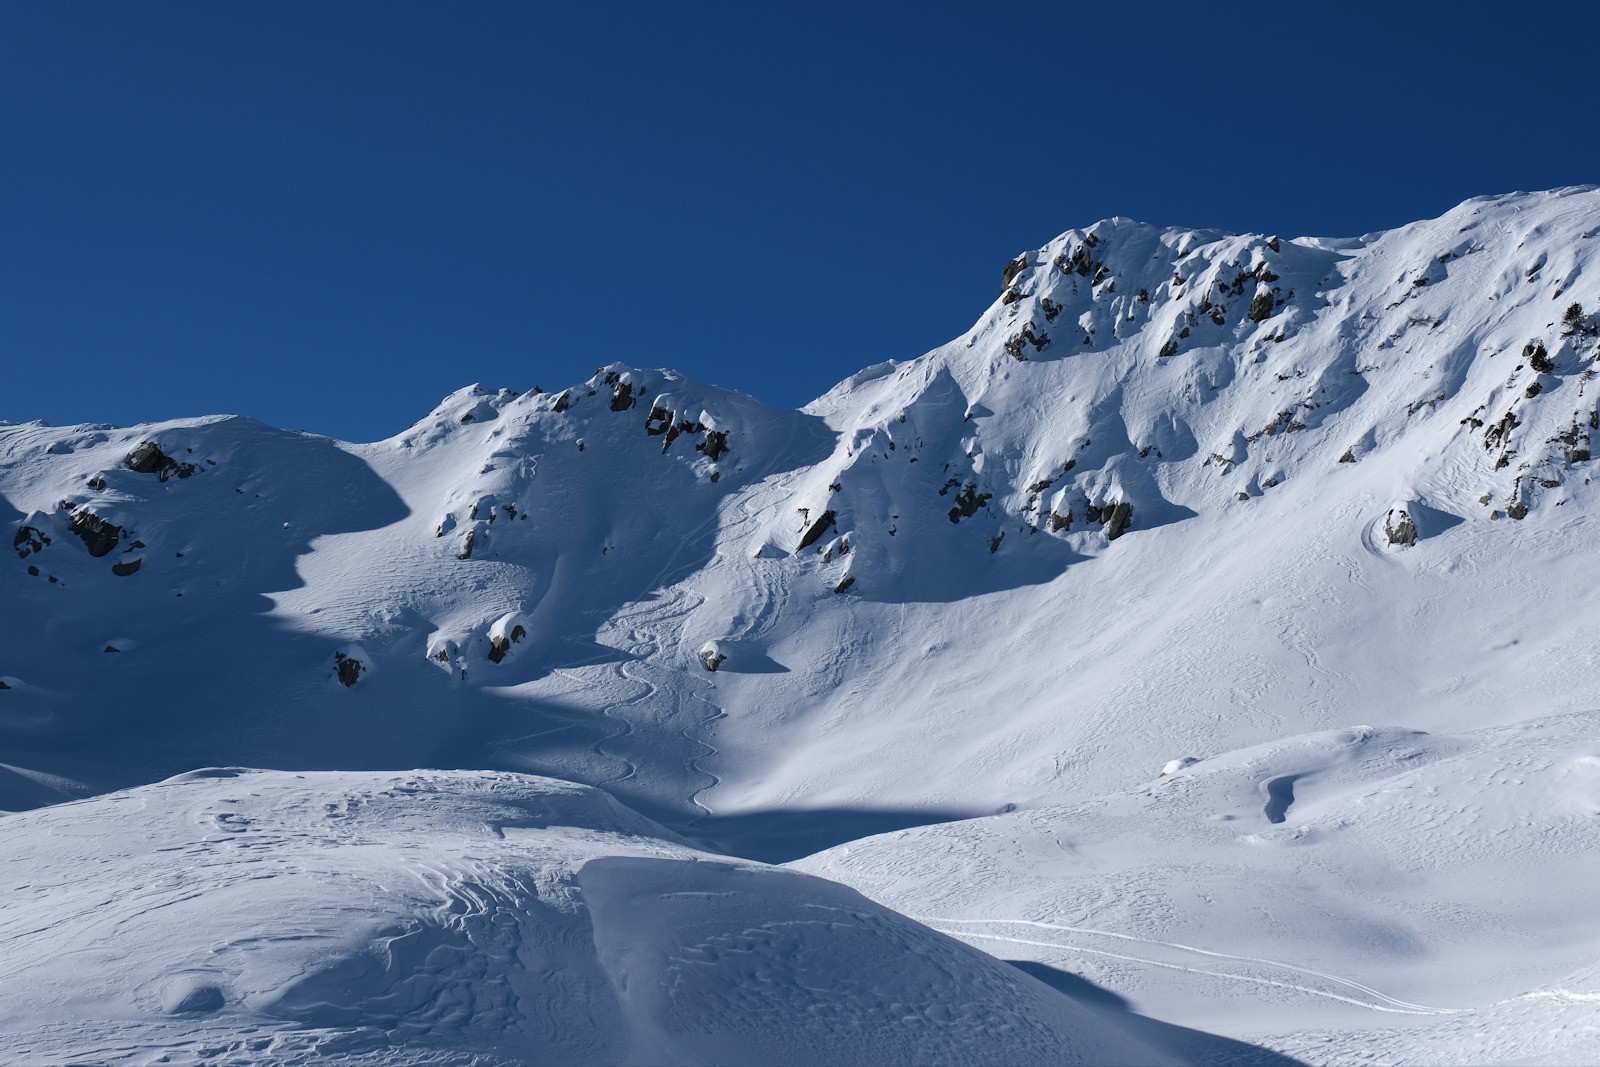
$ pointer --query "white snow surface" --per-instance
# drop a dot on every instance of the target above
(447, 917)
(972, 605)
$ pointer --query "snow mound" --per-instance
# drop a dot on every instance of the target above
(239, 915)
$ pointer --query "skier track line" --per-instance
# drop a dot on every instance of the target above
(1402, 1007)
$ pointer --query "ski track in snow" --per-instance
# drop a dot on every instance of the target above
(1389, 1004)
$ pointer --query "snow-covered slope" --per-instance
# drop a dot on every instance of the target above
(1176, 494)
(468, 917)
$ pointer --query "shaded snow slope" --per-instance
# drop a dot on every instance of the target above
(236, 916)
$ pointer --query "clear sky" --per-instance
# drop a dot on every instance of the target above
(329, 215)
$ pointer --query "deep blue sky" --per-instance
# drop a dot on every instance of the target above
(329, 215)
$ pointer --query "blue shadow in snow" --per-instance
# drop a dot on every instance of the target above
(1195, 1046)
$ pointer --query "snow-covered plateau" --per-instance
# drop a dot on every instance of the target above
(1195, 661)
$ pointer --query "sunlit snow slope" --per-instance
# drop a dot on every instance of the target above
(1177, 494)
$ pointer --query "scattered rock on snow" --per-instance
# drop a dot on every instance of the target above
(507, 630)
(149, 459)
(712, 656)
(30, 539)
(348, 668)
(1119, 518)
(1399, 527)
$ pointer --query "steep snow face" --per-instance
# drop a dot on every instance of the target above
(237, 916)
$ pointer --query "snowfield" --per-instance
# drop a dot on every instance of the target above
(1303, 523)
(448, 917)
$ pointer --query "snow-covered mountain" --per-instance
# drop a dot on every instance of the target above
(1302, 521)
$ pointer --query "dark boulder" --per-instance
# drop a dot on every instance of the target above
(348, 667)
(822, 525)
(149, 459)
(98, 535)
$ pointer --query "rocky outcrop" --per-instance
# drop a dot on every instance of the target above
(499, 646)
(507, 630)
(122, 570)
(715, 444)
(712, 656)
(149, 459)
(815, 530)
(348, 669)
(30, 539)
(1399, 527)
(97, 535)
(968, 500)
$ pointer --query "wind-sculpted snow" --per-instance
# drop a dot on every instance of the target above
(240, 916)
(1346, 880)
(1176, 495)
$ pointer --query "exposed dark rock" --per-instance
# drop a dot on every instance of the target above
(658, 422)
(562, 402)
(1349, 456)
(30, 539)
(1117, 522)
(994, 543)
(122, 570)
(499, 646)
(712, 658)
(1500, 432)
(822, 525)
(1519, 510)
(715, 444)
(1014, 268)
(1014, 345)
(349, 669)
(1059, 522)
(111, 648)
(623, 399)
(968, 501)
(149, 459)
(1533, 390)
(1262, 307)
(97, 483)
(1399, 527)
(848, 581)
(466, 545)
(98, 535)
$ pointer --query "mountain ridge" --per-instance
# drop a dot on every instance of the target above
(1179, 499)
